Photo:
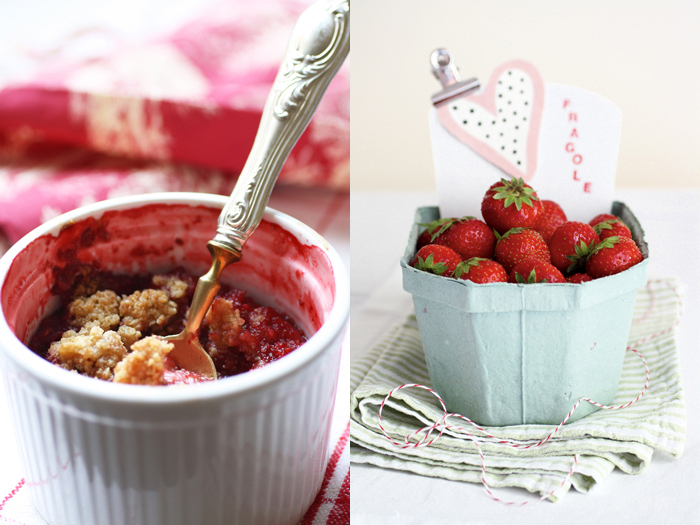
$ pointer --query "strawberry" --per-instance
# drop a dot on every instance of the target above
(511, 204)
(531, 271)
(607, 225)
(481, 271)
(468, 236)
(519, 244)
(570, 244)
(579, 278)
(552, 216)
(430, 228)
(436, 259)
(612, 255)
(601, 217)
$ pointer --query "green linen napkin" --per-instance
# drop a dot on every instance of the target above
(606, 439)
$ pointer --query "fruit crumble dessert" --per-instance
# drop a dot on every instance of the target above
(108, 327)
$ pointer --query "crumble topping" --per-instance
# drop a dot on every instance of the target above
(225, 325)
(147, 309)
(174, 287)
(100, 309)
(111, 333)
(129, 335)
(145, 365)
(84, 282)
(92, 351)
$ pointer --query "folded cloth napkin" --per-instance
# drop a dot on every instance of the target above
(175, 113)
(194, 96)
(50, 183)
(606, 439)
(332, 505)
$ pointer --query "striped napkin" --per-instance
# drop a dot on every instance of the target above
(606, 439)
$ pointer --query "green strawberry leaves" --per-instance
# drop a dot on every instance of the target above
(440, 226)
(607, 225)
(436, 225)
(515, 192)
(605, 243)
(429, 265)
(465, 266)
(531, 279)
(578, 260)
(510, 232)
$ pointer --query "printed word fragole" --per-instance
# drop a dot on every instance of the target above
(570, 147)
(525, 240)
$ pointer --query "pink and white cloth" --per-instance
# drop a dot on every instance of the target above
(178, 112)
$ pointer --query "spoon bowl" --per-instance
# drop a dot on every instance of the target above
(187, 352)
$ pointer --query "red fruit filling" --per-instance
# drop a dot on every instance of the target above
(106, 325)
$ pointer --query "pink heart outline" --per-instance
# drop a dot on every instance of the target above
(487, 100)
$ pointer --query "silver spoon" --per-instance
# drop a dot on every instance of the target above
(319, 44)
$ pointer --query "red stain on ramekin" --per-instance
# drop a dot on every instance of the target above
(159, 237)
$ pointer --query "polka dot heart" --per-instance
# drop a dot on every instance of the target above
(501, 123)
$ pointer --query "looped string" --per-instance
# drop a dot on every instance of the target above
(423, 435)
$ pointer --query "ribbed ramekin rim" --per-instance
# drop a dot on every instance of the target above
(60, 379)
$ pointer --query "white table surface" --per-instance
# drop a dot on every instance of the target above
(667, 492)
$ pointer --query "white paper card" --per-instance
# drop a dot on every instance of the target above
(574, 136)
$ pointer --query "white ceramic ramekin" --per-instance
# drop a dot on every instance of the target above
(248, 449)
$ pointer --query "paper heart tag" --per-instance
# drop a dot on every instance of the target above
(502, 123)
(568, 142)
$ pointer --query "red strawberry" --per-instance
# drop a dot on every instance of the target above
(600, 218)
(552, 216)
(607, 225)
(511, 204)
(612, 255)
(570, 245)
(431, 228)
(468, 236)
(436, 259)
(531, 271)
(519, 244)
(579, 278)
(481, 271)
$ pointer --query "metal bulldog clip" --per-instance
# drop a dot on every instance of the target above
(442, 63)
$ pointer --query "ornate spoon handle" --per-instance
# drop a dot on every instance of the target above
(318, 46)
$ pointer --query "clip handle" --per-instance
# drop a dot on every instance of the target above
(444, 67)
(445, 71)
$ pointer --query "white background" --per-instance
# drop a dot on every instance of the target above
(643, 56)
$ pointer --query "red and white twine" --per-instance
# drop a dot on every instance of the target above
(441, 424)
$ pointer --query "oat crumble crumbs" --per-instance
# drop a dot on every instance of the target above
(100, 309)
(174, 287)
(87, 284)
(92, 351)
(145, 364)
(108, 334)
(146, 309)
(129, 335)
(225, 324)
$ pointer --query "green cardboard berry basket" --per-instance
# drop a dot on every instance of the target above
(508, 354)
